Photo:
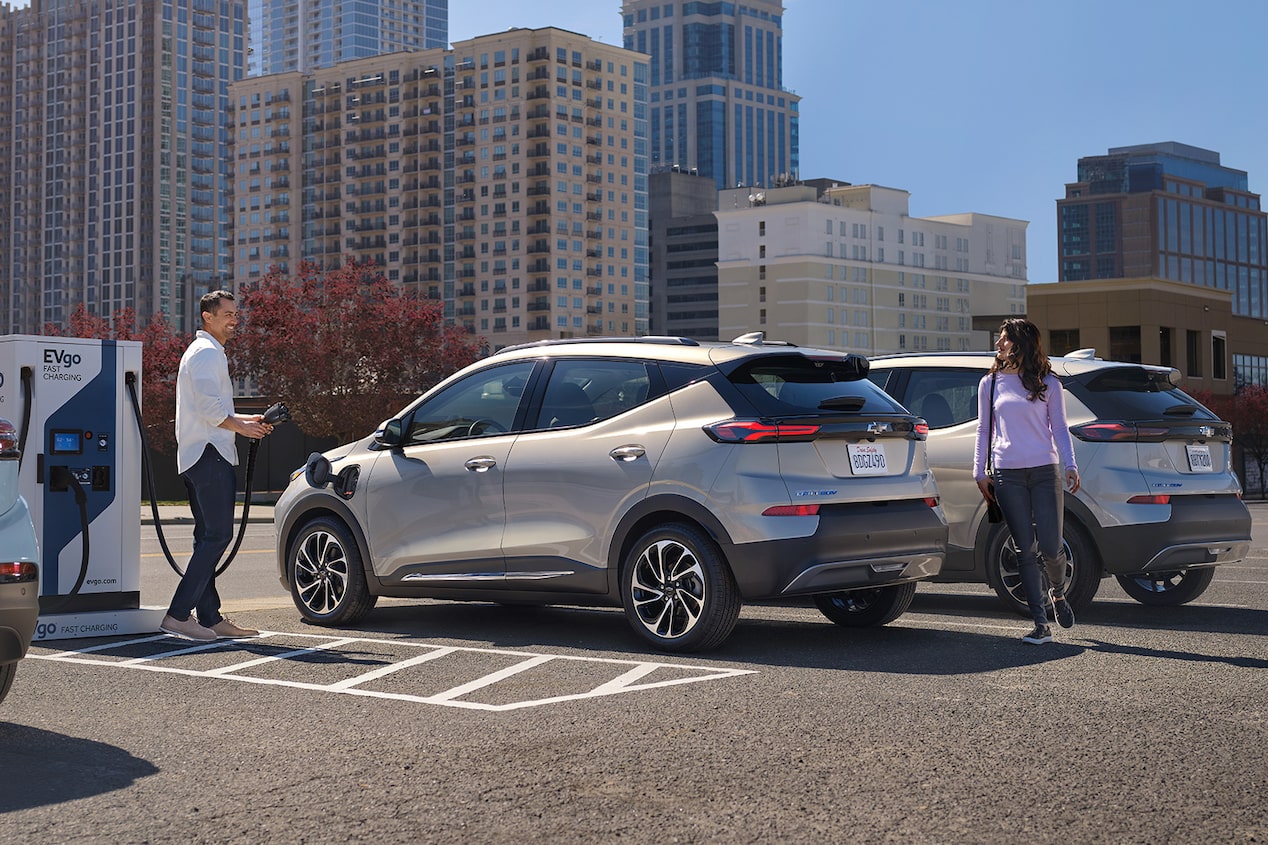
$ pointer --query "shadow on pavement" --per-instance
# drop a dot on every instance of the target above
(765, 636)
(1112, 612)
(50, 768)
(1239, 661)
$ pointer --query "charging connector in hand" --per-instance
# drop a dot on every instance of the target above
(277, 413)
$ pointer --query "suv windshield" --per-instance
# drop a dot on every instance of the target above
(1134, 393)
(796, 384)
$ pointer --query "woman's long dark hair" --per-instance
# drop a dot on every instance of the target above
(1027, 356)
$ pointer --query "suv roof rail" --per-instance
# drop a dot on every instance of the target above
(759, 339)
(564, 341)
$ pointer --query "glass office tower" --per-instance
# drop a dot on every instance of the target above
(717, 101)
(303, 35)
(1169, 211)
(113, 156)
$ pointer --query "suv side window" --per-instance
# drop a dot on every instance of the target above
(482, 404)
(944, 397)
(581, 391)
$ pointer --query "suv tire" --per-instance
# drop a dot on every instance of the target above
(677, 589)
(1082, 580)
(1167, 589)
(7, 671)
(866, 608)
(327, 578)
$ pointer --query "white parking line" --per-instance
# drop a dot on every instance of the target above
(634, 671)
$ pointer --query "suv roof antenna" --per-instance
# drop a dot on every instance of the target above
(751, 338)
(1088, 354)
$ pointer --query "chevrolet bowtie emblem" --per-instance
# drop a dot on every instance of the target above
(879, 427)
(1206, 431)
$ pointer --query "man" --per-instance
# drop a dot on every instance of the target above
(205, 457)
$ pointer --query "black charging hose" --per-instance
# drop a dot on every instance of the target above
(275, 414)
(27, 375)
(81, 500)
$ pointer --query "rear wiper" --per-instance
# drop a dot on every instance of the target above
(843, 403)
(1185, 410)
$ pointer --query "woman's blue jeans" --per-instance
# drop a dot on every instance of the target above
(1031, 500)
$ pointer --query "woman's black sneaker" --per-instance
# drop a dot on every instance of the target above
(1040, 635)
(1064, 613)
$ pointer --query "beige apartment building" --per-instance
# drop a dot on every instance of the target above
(506, 177)
(839, 266)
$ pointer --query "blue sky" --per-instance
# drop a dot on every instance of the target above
(987, 105)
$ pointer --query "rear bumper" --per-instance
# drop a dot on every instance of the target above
(1204, 530)
(855, 547)
(19, 611)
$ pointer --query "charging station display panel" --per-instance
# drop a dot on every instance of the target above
(65, 442)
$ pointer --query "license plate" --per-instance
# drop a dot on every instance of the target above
(867, 458)
(1200, 458)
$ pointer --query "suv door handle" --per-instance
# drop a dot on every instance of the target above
(484, 463)
(627, 453)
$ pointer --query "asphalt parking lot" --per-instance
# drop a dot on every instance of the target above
(441, 722)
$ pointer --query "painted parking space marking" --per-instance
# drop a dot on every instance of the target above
(452, 676)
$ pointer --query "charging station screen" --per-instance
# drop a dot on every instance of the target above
(66, 442)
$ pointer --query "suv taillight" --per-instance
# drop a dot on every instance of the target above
(754, 431)
(12, 572)
(1113, 432)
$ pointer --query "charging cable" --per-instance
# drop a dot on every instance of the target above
(277, 413)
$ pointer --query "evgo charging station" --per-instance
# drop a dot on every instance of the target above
(81, 476)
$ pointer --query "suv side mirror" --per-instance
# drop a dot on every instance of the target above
(389, 435)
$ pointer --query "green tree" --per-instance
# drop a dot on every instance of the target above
(161, 350)
(345, 349)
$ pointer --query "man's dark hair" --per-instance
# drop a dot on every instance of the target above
(210, 303)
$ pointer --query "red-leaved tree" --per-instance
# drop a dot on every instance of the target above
(345, 349)
(1247, 410)
(161, 350)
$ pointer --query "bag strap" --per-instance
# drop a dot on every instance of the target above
(990, 426)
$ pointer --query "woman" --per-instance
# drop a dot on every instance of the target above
(1018, 468)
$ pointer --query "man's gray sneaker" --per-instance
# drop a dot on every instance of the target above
(187, 630)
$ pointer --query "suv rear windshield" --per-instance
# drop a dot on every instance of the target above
(1133, 393)
(781, 385)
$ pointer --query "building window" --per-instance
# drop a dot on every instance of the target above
(1219, 356)
(1063, 341)
(1165, 355)
(1125, 343)
(1193, 357)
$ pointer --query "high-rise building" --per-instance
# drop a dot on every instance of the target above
(717, 102)
(303, 35)
(506, 177)
(1166, 211)
(841, 266)
(114, 155)
(684, 255)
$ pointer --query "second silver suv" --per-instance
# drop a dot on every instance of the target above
(672, 478)
(1159, 505)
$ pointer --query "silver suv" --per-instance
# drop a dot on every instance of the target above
(1159, 505)
(19, 563)
(676, 479)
